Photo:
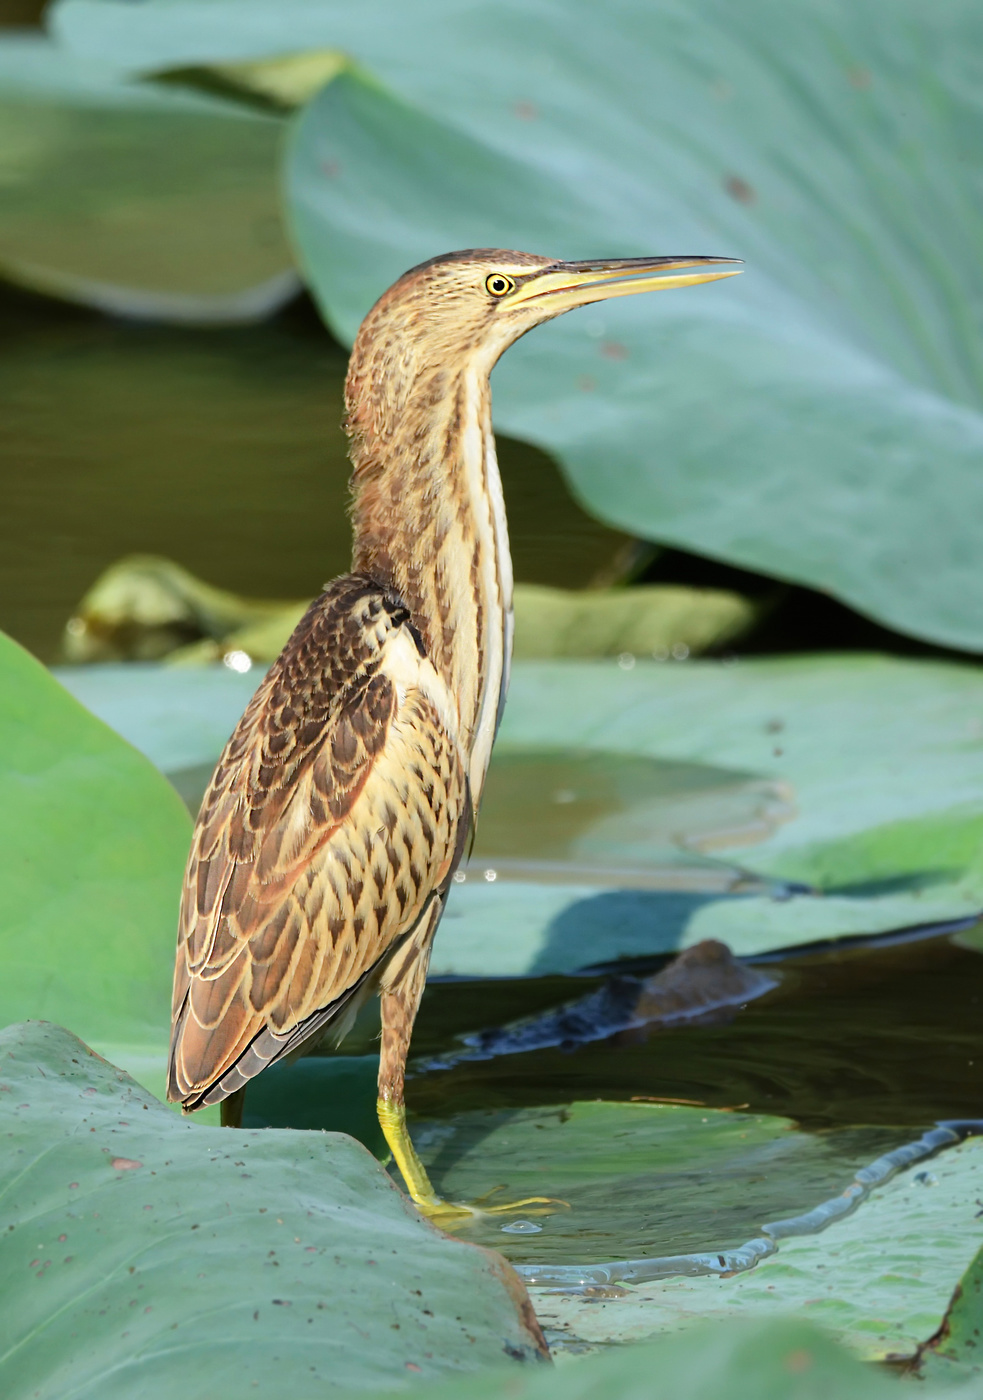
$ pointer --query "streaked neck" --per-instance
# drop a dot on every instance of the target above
(429, 519)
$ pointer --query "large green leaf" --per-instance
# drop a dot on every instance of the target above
(92, 846)
(150, 1255)
(819, 418)
(137, 198)
(744, 1361)
(625, 808)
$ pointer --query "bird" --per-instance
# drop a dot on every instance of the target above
(323, 853)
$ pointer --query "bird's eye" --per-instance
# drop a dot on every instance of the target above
(498, 284)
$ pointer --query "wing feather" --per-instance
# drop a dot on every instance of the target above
(332, 816)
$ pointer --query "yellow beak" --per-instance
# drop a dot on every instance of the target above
(566, 285)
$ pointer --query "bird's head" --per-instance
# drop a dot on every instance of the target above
(474, 304)
(456, 314)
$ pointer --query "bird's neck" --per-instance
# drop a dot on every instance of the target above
(429, 521)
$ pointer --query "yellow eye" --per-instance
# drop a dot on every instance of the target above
(497, 284)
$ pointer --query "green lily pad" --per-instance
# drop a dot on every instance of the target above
(93, 844)
(628, 809)
(879, 1280)
(955, 1352)
(145, 607)
(819, 418)
(744, 1361)
(137, 198)
(623, 621)
(150, 1253)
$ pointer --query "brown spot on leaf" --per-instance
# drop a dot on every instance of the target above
(614, 350)
(125, 1164)
(798, 1361)
(740, 190)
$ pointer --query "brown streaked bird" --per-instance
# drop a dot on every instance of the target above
(340, 807)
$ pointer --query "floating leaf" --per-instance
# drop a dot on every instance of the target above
(744, 1361)
(645, 620)
(636, 805)
(151, 1254)
(289, 81)
(93, 844)
(955, 1352)
(144, 607)
(879, 1280)
(137, 198)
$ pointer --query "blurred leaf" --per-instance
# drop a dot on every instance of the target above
(180, 718)
(93, 845)
(289, 81)
(971, 938)
(818, 419)
(144, 607)
(126, 1269)
(642, 620)
(137, 198)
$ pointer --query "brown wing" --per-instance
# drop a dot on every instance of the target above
(333, 815)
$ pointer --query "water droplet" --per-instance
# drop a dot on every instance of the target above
(491, 876)
(521, 1227)
(239, 661)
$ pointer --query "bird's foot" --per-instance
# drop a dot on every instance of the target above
(446, 1214)
(449, 1214)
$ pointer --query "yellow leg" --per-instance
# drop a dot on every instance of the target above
(392, 1119)
(401, 990)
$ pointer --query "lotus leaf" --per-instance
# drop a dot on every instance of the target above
(139, 199)
(93, 843)
(818, 419)
(645, 799)
(955, 1352)
(151, 1254)
(742, 1360)
(880, 1280)
(144, 607)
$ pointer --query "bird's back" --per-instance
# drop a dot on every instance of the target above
(337, 809)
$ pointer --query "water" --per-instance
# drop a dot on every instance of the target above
(888, 1035)
(676, 1140)
(219, 448)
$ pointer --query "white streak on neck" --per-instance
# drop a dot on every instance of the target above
(495, 580)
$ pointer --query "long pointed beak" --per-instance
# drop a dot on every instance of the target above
(566, 285)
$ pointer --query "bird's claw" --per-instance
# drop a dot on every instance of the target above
(448, 1214)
